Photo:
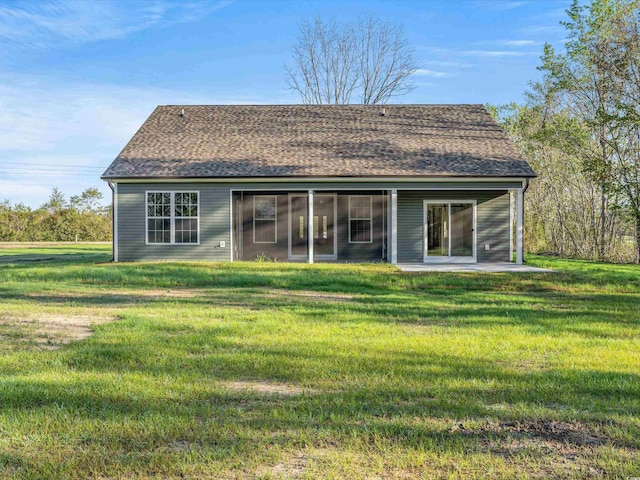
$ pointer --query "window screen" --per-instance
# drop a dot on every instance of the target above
(265, 219)
(360, 223)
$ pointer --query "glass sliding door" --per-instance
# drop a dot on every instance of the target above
(437, 229)
(449, 230)
(462, 230)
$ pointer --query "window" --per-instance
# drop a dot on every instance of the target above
(265, 218)
(186, 217)
(173, 217)
(159, 217)
(360, 224)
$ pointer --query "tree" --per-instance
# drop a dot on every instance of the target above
(596, 81)
(56, 202)
(332, 62)
(562, 211)
(87, 201)
(56, 221)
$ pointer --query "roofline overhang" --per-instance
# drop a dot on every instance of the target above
(344, 178)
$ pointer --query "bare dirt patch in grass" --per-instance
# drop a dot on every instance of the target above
(574, 433)
(295, 465)
(267, 388)
(115, 298)
(568, 448)
(48, 331)
(312, 294)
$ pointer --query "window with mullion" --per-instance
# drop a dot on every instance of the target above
(360, 219)
(172, 214)
(186, 217)
(159, 217)
(265, 219)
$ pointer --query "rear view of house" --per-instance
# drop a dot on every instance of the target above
(400, 183)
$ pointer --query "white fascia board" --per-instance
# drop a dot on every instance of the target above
(321, 179)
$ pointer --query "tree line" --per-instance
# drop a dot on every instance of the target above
(81, 218)
(579, 126)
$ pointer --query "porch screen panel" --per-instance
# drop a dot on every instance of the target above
(264, 219)
(360, 219)
(159, 217)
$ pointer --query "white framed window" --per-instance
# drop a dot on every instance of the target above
(173, 217)
(265, 219)
(360, 219)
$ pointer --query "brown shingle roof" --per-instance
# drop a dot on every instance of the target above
(318, 140)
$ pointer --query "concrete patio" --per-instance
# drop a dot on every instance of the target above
(472, 267)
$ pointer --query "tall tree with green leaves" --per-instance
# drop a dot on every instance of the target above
(596, 81)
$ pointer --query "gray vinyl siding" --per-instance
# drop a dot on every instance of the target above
(214, 224)
(215, 211)
(492, 223)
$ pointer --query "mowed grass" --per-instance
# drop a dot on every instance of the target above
(266, 370)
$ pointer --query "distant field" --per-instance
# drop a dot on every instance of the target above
(267, 370)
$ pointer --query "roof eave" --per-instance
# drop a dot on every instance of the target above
(310, 177)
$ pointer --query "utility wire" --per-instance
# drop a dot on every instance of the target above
(35, 164)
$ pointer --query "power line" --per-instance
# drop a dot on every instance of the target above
(51, 174)
(57, 169)
(8, 182)
(68, 165)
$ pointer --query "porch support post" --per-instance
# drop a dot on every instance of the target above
(394, 226)
(511, 194)
(519, 226)
(310, 225)
(115, 221)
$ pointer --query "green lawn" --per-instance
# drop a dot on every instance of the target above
(266, 370)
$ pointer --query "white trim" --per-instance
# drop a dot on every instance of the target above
(172, 217)
(323, 179)
(310, 238)
(230, 225)
(275, 220)
(380, 188)
(370, 219)
(519, 226)
(334, 256)
(115, 222)
(425, 226)
(387, 194)
(510, 259)
(394, 226)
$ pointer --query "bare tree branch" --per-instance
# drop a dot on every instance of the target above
(333, 61)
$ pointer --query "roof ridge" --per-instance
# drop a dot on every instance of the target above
(378, 105)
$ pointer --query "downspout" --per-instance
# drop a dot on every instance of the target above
(113, 226)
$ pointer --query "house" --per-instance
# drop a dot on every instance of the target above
(399, 183)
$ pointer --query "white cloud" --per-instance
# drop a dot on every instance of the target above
(516, 43)
(447, 63)
(48, 122)
(543, 30)
(423, 72)
(499, 4)
(61, 22)
(29, 194)
(496, 53)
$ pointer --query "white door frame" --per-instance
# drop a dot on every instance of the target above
(334, 256)
(425, 225)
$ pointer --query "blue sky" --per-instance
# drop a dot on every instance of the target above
(77, 78)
